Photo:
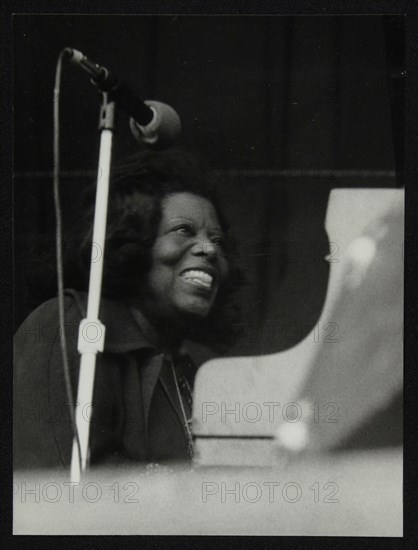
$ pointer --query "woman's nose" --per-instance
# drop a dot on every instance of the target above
(205, 247)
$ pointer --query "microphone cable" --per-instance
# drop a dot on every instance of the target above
(59, 248)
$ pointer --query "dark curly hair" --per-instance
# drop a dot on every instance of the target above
(137, 187)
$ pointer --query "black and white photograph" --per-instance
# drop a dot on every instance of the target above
(208, 274)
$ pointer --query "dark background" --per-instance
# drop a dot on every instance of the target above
(285, 109)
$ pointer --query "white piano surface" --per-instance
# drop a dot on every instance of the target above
(280, 377)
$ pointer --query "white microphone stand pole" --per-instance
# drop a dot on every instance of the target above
(91, 335)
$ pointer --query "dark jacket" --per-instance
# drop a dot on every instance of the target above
(137, 414)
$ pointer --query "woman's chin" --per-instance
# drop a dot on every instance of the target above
(196, 308)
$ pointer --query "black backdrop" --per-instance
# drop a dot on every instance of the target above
(285, 108)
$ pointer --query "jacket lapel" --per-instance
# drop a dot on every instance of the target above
(150, 373)
(169, 385)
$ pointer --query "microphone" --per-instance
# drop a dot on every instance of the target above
(153, 123)
(162, 131)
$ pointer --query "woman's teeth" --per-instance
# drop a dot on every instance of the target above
(199, 277)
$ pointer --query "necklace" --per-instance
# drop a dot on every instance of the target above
(187, 422)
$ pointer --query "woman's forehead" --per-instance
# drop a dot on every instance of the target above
(188, 205)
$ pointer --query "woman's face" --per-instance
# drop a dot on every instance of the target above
(188, 261)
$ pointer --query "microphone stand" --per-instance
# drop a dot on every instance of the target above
(91, 335)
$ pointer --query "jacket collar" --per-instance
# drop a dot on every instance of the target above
(125, 331)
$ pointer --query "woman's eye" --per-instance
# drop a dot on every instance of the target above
(219, 241)
(183, 229)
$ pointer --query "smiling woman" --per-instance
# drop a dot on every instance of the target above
(168, 278)
(188, 261)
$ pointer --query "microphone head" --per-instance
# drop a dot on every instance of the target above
(162, 131)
